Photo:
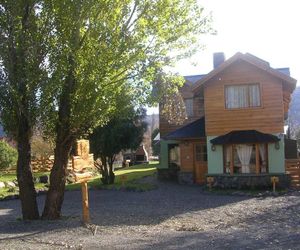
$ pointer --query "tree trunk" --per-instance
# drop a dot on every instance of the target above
(24, 174)
(63, 145)
(55, 195)
(111, 170)
(104, 171)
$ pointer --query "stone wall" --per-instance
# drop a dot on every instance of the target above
(167, 174)
(261, 181)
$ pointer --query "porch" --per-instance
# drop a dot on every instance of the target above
(184, 154)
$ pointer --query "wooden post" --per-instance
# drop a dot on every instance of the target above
(257, 165)
(210, 181)
(231, 160)
(274, 180)
(123, 179)
(85, 202)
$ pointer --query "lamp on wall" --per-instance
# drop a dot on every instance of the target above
(213, 147)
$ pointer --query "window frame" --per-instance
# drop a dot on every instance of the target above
(192, 108)
(248, 96)
(227, 163)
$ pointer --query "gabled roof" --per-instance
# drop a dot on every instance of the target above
(259, 63)
(192, 130)
(193, 78)
(244, 136)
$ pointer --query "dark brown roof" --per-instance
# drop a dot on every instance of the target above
(193, 130)
(244, 136)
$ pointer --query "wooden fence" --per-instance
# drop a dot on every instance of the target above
(45, 165)
(292, 167)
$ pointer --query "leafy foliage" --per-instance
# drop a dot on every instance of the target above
(114, 47)
(40, 147)
(24, 30)
(121, 133)
(8, 155)
(23, 36)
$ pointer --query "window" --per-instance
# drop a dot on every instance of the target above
(244, 158)
(174, 155)
(189, 107)
(201, 152)
(242, 96)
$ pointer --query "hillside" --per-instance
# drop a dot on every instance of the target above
(294, 111)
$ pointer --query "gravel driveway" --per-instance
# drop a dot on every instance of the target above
(170, 217)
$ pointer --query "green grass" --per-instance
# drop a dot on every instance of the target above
(11, 176)
(133, 174)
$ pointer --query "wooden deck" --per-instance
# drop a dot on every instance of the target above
(292, 167)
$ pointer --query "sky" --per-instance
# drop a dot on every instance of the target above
(268, 29)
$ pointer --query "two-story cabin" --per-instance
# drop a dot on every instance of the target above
(234, 131)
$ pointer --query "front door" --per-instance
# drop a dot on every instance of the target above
(200, 162)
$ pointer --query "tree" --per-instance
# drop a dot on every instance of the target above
(124, 131)
(23, 34)
(8, 155)
(154, 144)
(101, 50)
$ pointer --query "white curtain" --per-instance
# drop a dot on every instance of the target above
(227, 157)
(254, 95)
(242, 96)
(262, 151)
(244, 153)
(236, 96)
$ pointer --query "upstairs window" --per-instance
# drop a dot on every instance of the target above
(242, 96)
(189, 107)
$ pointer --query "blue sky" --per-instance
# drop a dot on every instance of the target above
(268, 29)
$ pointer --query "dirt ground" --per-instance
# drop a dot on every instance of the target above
(169, 217)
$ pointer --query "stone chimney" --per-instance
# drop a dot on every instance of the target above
(219, 58)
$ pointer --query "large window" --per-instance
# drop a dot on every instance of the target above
(244, 158)
(189, 107)
(242, 96)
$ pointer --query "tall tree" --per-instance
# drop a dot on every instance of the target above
(124, 131)
(100, 46)
(23, 33)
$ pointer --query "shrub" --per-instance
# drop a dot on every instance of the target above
(8, 155)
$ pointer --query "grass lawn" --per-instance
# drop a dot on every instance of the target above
(126, 178)
(11, 176)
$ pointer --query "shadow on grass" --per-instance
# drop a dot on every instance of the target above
(125, 179)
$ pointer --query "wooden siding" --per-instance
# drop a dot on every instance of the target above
(198, 111)
(292, 167)
(268, 118)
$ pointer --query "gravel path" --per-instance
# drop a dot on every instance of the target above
(170, 217)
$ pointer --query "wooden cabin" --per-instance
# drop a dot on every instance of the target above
(136, 156)
(234, 127)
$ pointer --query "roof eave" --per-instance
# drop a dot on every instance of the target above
(291, 82)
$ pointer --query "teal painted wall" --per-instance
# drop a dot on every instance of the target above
(163, 159)
(214, 158)
(276, 158)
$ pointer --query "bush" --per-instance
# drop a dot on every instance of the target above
(8, 155)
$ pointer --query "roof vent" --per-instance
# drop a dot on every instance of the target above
(219, 58)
